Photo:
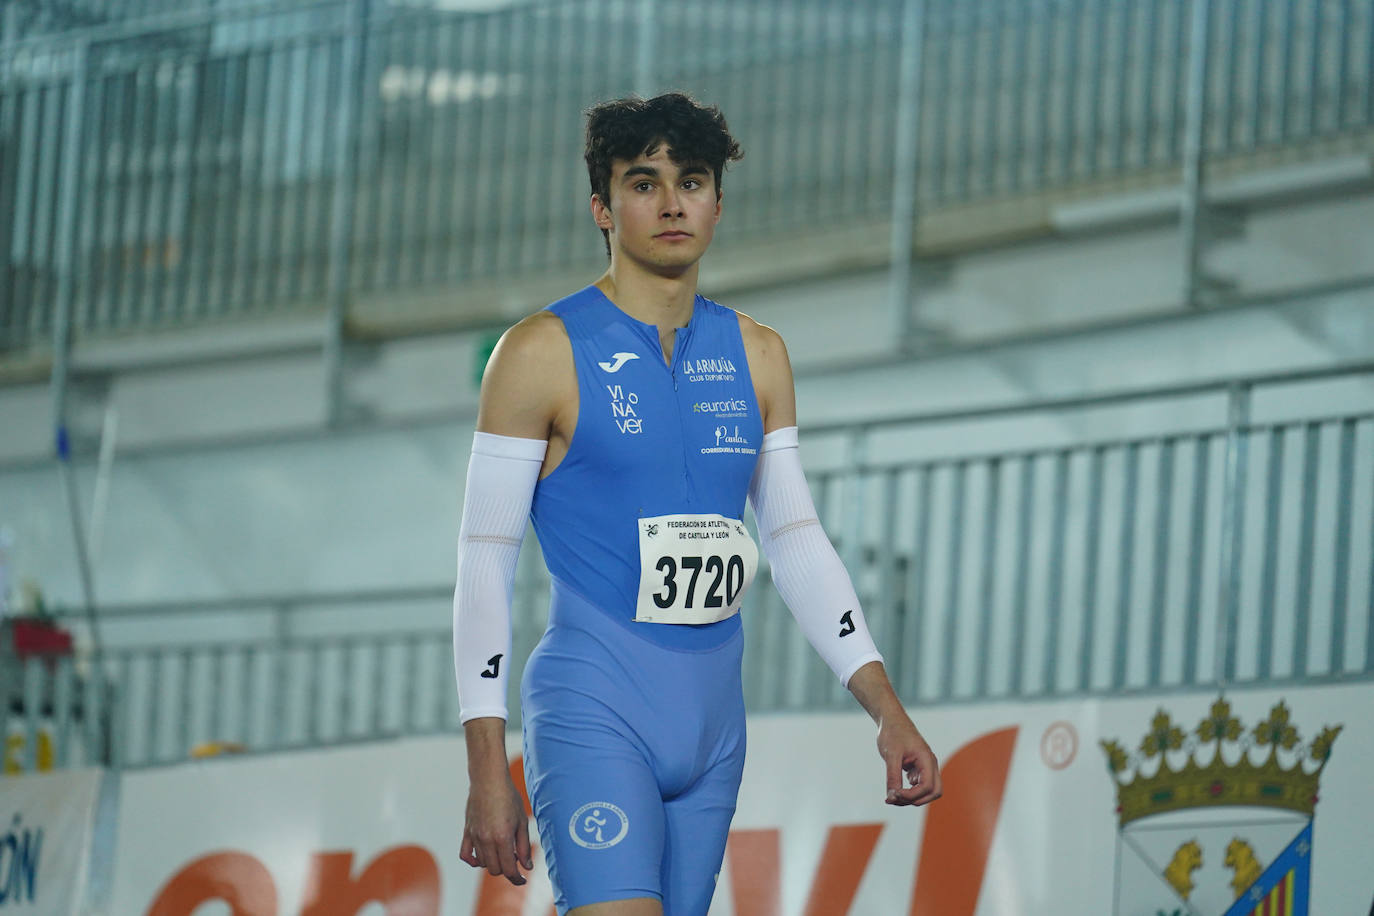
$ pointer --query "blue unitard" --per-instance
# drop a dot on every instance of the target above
(634, 731)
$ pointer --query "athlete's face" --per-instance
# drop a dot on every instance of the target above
(662, 215)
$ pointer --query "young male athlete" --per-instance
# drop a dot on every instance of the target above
(630, 420)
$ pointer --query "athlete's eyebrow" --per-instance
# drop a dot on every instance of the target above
(647, 170)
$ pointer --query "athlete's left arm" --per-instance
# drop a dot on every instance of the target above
(812, 579)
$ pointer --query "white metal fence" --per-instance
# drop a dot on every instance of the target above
(268, 157)
(1231, 544)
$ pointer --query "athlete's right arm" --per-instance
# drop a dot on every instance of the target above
(523, 401)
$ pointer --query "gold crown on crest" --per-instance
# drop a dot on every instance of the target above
(1229, 777)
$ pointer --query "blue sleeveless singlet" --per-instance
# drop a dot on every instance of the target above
(651, 439)
(634, 732)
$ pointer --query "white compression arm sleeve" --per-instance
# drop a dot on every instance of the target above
(807, 571)
(502, 475)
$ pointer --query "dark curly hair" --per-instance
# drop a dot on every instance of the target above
(626, 128)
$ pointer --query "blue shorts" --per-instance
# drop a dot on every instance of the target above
(633, 759)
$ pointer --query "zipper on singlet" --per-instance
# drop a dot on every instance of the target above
(650, 334)
(678, 347)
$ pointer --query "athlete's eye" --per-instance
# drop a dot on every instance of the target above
(643, 186)
(692, 184)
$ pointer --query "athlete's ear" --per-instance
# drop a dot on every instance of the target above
(601, 213)
(719, 195)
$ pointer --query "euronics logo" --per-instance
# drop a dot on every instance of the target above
(731, 406)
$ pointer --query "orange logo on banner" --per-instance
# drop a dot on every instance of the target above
(235, 878)
(754, 872)
(949, 874)
(959, 827)
(405, 879)
(954, 851)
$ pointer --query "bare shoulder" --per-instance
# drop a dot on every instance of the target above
(528, 350)
(771, 371)
(528, 378)
(536, 336)
(764, 345)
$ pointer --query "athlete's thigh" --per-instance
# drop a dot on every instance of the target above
(697, 826)
(599, 812)
(639, 906)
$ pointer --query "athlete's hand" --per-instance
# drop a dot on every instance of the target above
(496, 835)
(904, 750)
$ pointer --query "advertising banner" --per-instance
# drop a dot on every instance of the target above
(47, 822)
(1251, 803)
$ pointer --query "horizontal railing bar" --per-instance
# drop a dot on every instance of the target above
(386, 734)
(1298, 422)
(1165, 392)
(158, 24)
(440, 418)
(269, 602)
(1046, 451)
(330, 641)
(1126, 692)
(391, 734)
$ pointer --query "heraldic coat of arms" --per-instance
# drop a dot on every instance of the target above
(1217, 821)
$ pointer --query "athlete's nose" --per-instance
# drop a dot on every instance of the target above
(672, 204)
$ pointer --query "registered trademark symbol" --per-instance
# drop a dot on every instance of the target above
(1059, 746)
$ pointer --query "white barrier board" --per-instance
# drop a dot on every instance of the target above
(1029, 823)
(47, 821)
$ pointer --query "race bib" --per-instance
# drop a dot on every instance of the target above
(693, 568)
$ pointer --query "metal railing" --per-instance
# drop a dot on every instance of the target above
(1233, 544)
(1217, 553)
(30, 18)
(229, 164)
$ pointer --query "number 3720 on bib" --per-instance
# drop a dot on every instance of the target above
(693, 569)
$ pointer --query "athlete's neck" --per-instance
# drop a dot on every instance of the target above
(663, 301)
